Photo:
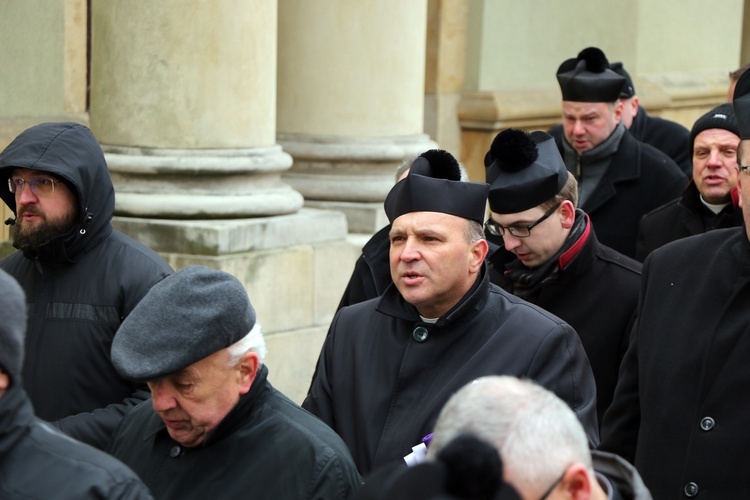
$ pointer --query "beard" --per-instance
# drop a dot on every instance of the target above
(29, 238)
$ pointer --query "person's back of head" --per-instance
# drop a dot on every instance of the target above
(734, 76)
(12, 331)
(537, 434)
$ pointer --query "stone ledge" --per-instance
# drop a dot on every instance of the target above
(228, 236)
(360, 217)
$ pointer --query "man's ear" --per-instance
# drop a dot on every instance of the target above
(618, 111)
(4, 381)
(576, 482)
(567, 214)
(479, 250)
(248, 369)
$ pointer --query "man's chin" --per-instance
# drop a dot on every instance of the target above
(29, 237)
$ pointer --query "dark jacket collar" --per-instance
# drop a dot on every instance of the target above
(640, 122)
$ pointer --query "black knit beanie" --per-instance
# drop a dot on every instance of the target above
(722, 116)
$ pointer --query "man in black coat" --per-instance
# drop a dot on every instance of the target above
(619, 178)
(679, 412)
(711, 199)
(550, 255)
(389, 364)
(81, 277)
(216, 427)
(36, 461)
(667, 136)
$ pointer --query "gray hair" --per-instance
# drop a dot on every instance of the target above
(537, 434)
(474, 231)
(253, 341)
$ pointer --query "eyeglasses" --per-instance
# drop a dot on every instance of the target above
(517, 231)
(553, 486)
(38, 185)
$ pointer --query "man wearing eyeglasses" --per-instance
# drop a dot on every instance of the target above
(550, 256)
(80, 276)
(680, 412)
(388, 364)
(542, 446)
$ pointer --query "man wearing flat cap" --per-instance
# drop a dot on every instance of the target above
(711, 200)
(389, 364)
(680, 412)
(619, 178)
(37, 461)
(550, 254)
(215, 427)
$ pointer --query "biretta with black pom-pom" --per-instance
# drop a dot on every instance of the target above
(741, 103)
(434, 185)
(628, 90)
(588, 78)
(467, 467)
(526, 171)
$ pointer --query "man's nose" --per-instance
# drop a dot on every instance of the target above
(162, 397)
(410, 251)
(714, 159)
(578, 128)
(25, 195)
(511, 241)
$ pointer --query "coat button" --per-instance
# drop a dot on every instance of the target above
(691, 489)
(420, 334)
(707, 423)
(174, 452)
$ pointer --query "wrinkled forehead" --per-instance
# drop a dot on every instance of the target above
(576, 108)
(437, 221)
(717, 136)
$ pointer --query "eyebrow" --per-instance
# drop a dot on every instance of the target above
(419, 232)
(520, 222)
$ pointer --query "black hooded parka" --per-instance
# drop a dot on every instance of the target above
(79, 287)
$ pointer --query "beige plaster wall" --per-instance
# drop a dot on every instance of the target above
(520, 45)
(43, 58)
(175, 74)
(348, 68)
(444, 70)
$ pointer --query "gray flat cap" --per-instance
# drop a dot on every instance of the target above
(186, 317)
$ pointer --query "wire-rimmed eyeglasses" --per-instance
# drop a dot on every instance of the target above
(38, 185)
(518, 231)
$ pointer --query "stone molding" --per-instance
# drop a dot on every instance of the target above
(351, 169)
(201, 183)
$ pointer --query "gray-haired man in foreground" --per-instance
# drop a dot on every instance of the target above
(215, 425)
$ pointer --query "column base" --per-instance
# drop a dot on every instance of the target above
(206, 184)
(352, 174)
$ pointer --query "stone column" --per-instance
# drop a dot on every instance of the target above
(351, 100)
(183, 100)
